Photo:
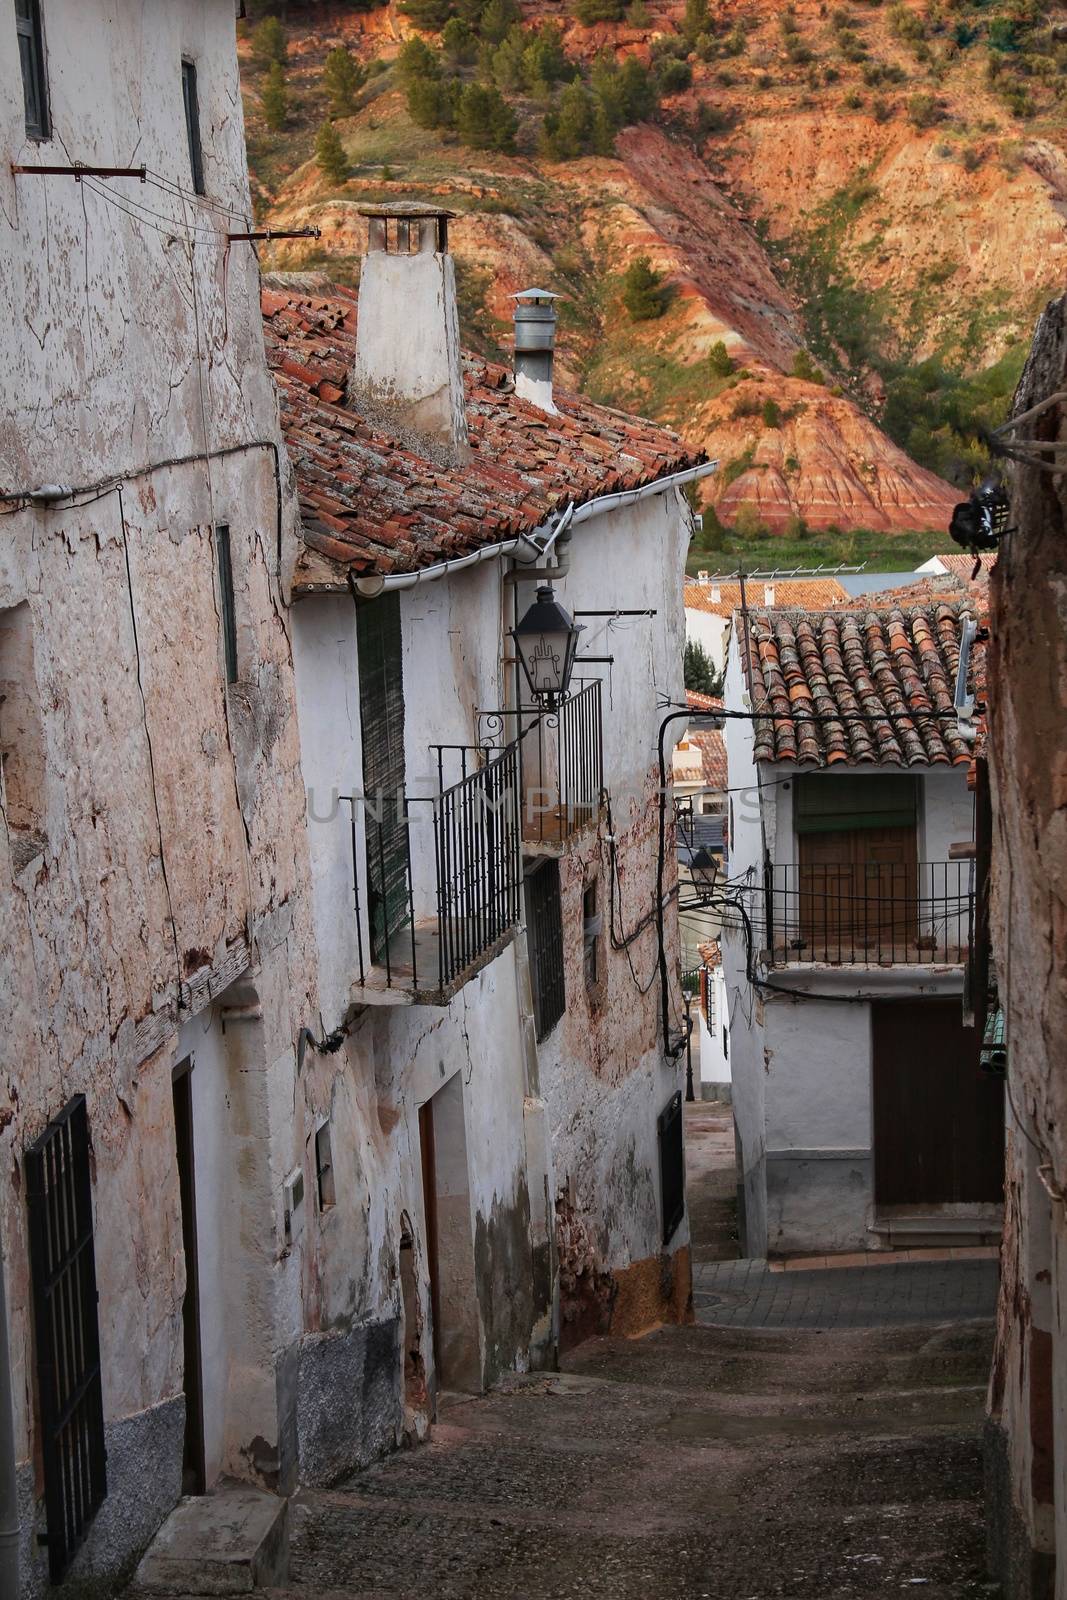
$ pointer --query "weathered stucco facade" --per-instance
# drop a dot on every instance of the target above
(1026, 743)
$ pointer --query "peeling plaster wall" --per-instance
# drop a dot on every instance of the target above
(1028, 771)
(168, 859)
(603, 1072)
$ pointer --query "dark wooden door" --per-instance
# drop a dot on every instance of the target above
(938, 1119)
(193, 1474)
(858, 892)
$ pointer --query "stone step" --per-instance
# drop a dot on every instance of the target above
(230, 1542)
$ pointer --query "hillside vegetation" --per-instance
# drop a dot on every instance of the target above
(814, 238)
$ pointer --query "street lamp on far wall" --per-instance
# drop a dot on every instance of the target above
(688, 996)
(546, 641)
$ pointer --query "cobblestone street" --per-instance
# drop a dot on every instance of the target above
(816, 1435)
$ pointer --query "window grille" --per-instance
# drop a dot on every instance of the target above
(31, 58)
(63, 1274)
(192, 125)
(591, 925)
(544, 918)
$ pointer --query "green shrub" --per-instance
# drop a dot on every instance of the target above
(699, 670)
(748, 524)
(673, 76)
(925, 111)
(429, 14)
(644, 293)
(804, 368)
(772, 414)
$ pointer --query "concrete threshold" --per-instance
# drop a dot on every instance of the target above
(231, 1542)
(884, 1258)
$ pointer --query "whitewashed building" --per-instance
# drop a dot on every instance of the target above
(511, 1075)
(156, 949)
(862, 1118)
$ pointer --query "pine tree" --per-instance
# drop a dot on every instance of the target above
(696, 20)
(590, 11)
(484, 120)
(699, 671)
(429, 14)
(568, 131)
(720, 359)
(342, 78)
(269, 42)
(417, 60)
(275, 98)
(431, 103)
(330, 154)
(643, 292)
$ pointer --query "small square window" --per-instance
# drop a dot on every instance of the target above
(192, 125)
(31, 58)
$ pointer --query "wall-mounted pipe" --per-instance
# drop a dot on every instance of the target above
(371, 587)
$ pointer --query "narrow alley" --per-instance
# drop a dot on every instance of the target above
(703, 1461)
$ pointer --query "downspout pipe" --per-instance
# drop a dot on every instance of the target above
(9, 1500)
(374, 584)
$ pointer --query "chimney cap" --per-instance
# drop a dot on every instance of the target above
(403, 208)
(535, 294)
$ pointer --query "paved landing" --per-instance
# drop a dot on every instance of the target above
(749, 1294)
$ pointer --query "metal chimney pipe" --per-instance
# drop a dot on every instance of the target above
(535, 344)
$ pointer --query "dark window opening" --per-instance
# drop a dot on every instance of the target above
(192, 126)
(63, 1275)
(591, 923)
(544, 920)
(229, 613)
(671, 1166)
(324, 1168)
(22, 744)
(31, 58)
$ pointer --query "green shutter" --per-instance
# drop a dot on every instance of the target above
(836, 803)
(381, 711)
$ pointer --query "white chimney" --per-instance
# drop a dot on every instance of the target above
(408, 371)
(768, 594)
(702, 577)
(535, 346)
(716, 594)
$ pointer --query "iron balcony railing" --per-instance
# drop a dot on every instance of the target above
(468, 879)
(868, 913)
(562, 763)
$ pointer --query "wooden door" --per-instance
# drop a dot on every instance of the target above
(859, 893)
(938, 1119)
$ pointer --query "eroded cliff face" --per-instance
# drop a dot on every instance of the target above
(816, 215)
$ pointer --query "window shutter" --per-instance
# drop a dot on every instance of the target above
(381, 709)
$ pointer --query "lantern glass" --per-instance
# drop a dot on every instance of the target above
(704, 870)
(546, 641)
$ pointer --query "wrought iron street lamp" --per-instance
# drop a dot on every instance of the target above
(688, 996)
(546, 641)
(704, 871)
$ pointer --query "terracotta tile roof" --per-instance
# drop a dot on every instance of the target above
(932, 587)
(961, 565)
(703, 702)
(711, 953)
(806, 594)
(712, 747)
(882, 679)
(370, 504)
